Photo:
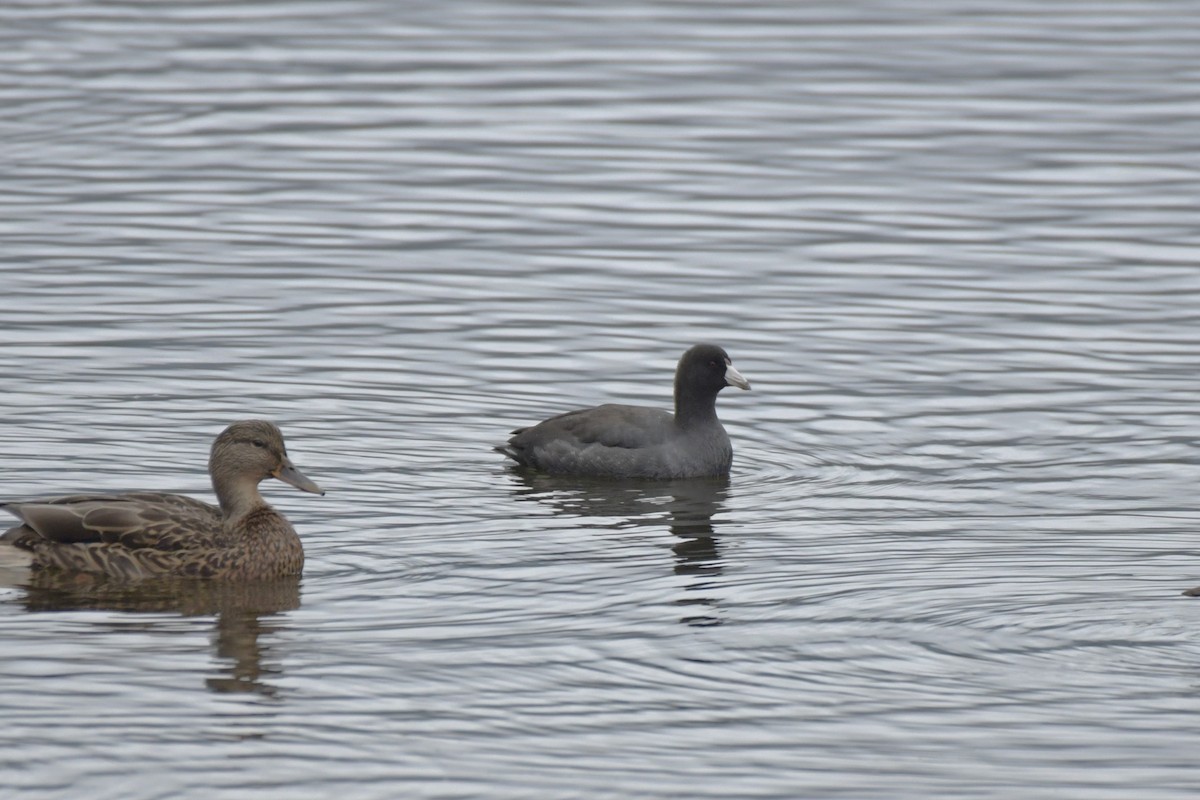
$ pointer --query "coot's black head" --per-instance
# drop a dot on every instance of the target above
(705, 370)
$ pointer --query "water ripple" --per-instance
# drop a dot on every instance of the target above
(950, 244)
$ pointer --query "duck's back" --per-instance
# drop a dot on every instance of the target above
(136, 519)
(141, 534)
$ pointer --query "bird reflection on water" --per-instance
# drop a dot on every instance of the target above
(247, 616)
(686, 507)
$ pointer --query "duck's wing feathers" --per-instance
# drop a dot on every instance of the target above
(137, 520)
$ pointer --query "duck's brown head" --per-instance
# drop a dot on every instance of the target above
(253, 449)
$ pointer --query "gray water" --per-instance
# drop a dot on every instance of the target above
(952, 244)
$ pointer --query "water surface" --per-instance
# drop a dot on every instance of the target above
(952, 245)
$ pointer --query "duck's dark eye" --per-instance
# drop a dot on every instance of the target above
(259, 443)
(713, 364)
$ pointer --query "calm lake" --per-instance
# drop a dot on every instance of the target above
(953, 246)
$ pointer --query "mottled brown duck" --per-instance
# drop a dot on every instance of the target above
(145, 534)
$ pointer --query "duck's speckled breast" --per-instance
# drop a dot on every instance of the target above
(262, 544)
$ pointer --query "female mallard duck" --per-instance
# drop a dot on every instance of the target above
(143, 534)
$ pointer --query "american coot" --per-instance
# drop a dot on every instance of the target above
(619, 441)
(144, 534)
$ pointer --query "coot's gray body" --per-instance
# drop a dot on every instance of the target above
(620, 441)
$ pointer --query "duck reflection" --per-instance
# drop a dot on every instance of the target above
(688, 506)
(246, 616)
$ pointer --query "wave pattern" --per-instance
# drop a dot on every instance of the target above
(951, 244)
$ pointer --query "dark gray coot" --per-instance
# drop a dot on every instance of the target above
(619, 441)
